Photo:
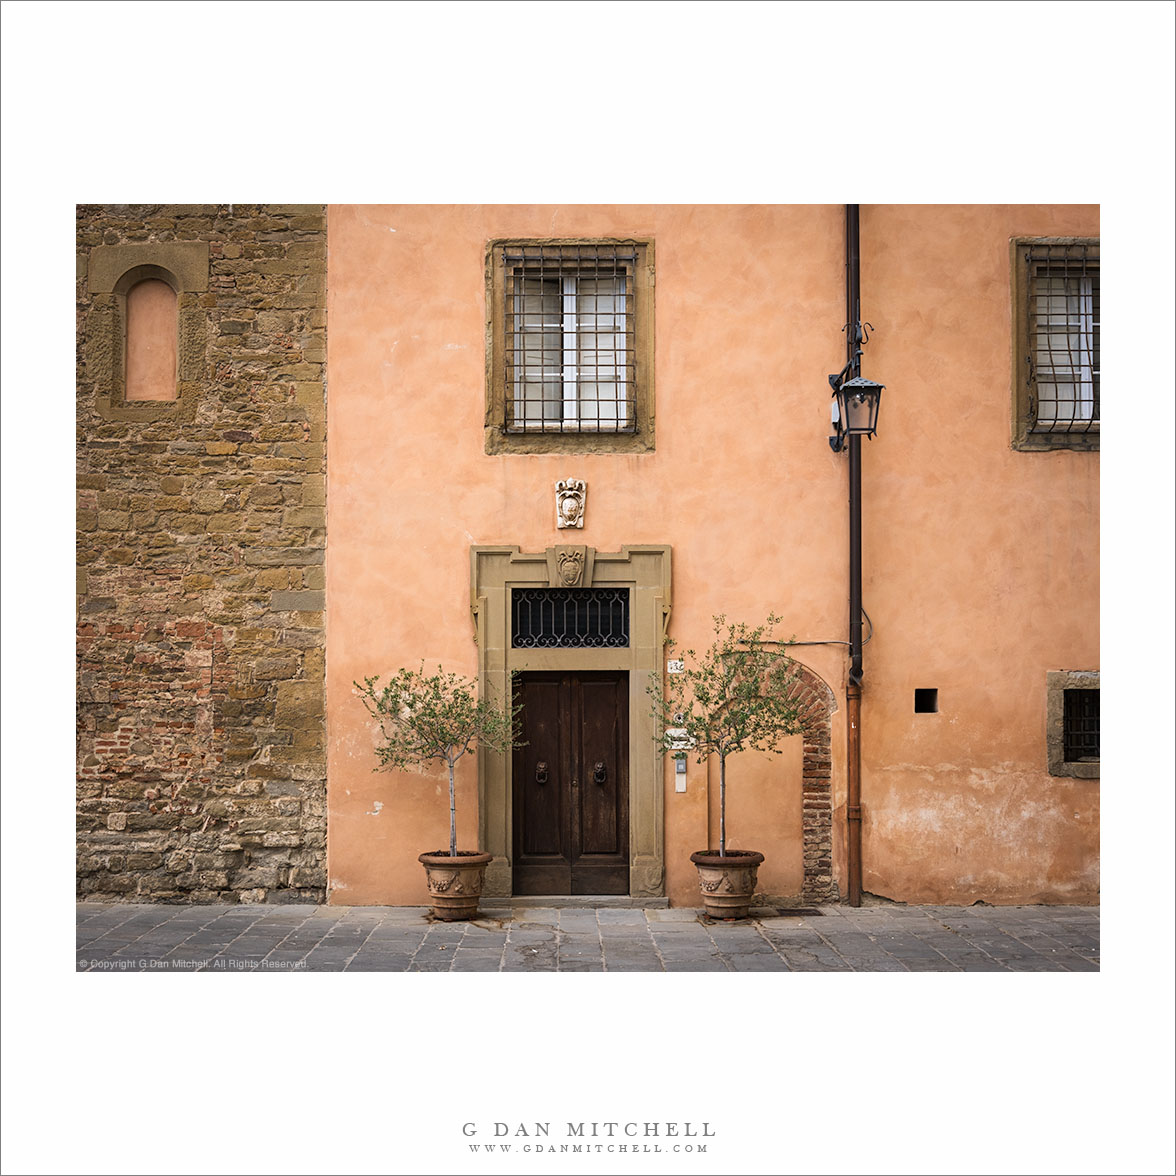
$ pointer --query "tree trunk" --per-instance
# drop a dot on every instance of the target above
(722, 805)
(452, 815)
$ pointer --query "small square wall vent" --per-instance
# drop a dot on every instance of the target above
(927, 701)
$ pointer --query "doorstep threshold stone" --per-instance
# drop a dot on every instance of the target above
(588, 902)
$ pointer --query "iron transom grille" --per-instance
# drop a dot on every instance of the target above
(1080, 725)
(1063, 336)
(570, 338)
(569, 618)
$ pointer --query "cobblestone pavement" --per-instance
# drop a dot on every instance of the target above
(882, 938)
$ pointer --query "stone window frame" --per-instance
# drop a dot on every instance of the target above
(111, 272)
(1057, 683)
(1023, 438)
(497, 439)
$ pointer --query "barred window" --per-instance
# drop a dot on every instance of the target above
(1058, 344)
(571, 345)
(1072, 723)
(570, 349)
(1080, 726)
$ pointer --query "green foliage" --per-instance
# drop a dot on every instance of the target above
(735, 697)
(424, 717)
(738, 696)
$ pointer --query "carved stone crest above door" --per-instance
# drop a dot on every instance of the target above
(569, 566)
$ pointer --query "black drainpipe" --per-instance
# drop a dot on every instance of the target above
(853, 689)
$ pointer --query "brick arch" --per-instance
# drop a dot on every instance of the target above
(818, 704)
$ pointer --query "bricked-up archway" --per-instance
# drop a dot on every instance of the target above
(818, 703)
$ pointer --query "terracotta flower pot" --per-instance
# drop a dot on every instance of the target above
(727, 881)
(455, 883)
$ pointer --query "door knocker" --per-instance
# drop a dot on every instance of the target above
(598, 774)
(541, 772)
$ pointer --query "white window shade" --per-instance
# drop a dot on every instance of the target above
(570, 353)
(1063, 336)
(1066, 350)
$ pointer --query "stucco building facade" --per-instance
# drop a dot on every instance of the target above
(359, 469)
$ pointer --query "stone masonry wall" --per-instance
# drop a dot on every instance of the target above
(200, 547)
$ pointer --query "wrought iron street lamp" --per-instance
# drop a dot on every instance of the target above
(855, 409)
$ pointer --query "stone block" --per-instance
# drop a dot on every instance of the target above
(265, 495)
(188, 260)
(270, 557)
(308, 876)
(270, 669)
(298, 703)
(256, 876)
(310, 393)
(285, 840)
(279, 785)
(144, 861)
(304, 516)
(225, 522)
(297, 601)
(314, 663)
(308, 738)
(207, 501)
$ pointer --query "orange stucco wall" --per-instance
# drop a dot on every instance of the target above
(980, 563)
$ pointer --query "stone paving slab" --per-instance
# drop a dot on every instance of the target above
(124, 937)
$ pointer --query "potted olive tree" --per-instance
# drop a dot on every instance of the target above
(738, 696)
(425, 717)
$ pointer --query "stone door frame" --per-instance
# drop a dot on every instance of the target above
(643, 569)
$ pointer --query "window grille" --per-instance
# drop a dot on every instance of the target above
(1080, 725)
(569, 618)
(570, 353)
(1063, 346)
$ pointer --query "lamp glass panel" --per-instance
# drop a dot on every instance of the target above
(859, 413)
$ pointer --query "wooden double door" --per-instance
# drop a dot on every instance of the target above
(571, 784)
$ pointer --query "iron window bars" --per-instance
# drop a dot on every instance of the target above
(569, 618)
(570, 338)
(1062, 356)
(1080, 726)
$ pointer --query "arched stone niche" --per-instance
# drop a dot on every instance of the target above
(114, 270)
